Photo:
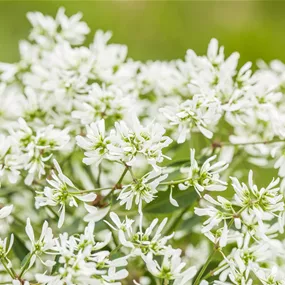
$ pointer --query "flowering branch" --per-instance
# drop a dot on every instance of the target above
(103, 115)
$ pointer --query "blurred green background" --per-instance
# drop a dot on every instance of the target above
(163, 29)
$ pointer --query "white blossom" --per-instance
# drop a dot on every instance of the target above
(203, 178)
(61, 192)
(141, 190)
(171, 268)
(195, 114)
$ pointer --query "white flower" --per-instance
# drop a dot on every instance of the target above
(212, 76)
(242, 261)
(130, 141)
(46, 30)
(109, 57)
(9, 162)
(216, 216)
(125, 226)
(87, 239)
(143, 189)
(82, 260)
(6, 246)
(45, 243)
(124, 143)
(35, 147)
(268, 277)
(109, 103)
(162, 78)
(61, 192)
(206, 177)
(141, 241)
(152, 240)
(72, 29)
(95, 144)
(263, 204)
(122, 228)
(171, 268)
(192, 115)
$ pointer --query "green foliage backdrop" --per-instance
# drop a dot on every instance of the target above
(164, 29)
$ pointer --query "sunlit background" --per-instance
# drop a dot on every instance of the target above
(163, 30)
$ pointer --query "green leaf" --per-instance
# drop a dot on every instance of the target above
(162, 205)
(25, 259)
(19, 248)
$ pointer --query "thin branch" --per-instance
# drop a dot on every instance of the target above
(221, 144)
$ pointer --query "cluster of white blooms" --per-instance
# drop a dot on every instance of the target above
(258, 219)
(28, 149)
(130, 171)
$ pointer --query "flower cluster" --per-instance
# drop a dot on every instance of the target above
(117, 171)
(258, 218)
(124, 144)
(28, 149)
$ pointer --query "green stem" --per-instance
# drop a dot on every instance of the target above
(117, 184)
(173, 182)
(212, 272)
(252, 143)
(123, 175)
(12, 270)
(116, 249)
(91, 190)
(129, 168)
(204, 267)
(25, 266)
(99, 175)
(116, 242)
(3, 261)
